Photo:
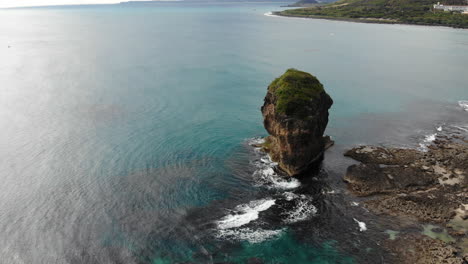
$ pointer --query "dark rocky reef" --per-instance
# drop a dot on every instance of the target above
(420, 249)
(295, 115)
(421, 186)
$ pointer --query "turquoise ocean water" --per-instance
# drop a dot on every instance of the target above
(125, 130)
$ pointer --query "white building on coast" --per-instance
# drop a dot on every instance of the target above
(456, 8)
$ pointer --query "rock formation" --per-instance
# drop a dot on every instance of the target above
(426, 186)
(295, 115)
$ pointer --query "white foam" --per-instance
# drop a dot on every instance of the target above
(286, 184)
(303, 210)
(256, 141)
(354, 204)
(428, 139)
(439, 128)
(245, 213)
(362, 225)
(265, 175)
(268, 172)
(267, 162)
(248, 234)
(463, 104)
(269, 14)
(462, 128)
(289, 196)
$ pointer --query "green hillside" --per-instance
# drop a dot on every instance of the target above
(385, 11)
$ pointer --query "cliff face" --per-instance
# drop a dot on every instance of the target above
(295, 115)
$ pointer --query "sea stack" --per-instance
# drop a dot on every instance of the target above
(295, 114)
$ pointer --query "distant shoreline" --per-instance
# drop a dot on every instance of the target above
(360, 20)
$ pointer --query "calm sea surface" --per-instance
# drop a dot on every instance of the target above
(125, 130)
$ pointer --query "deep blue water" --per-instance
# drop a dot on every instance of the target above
(125, 128)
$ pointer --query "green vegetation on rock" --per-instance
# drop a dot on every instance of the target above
(294, 91)
(419, 12)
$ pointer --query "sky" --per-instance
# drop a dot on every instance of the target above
(22, 3)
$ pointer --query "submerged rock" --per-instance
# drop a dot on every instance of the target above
(295, 115)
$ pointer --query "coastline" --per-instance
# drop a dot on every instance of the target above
(413, 196)
(420, 193)
(355, 20)
(422, 188)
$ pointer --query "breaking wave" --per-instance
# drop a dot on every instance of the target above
(428, 139)
(245, 213)
(362, 225)
(269, 178)
(299, 206)
(461, 128)
(248, 234)
(265, 174)
(230, 226)
(303, 208)
(463, 104)
(256, 141)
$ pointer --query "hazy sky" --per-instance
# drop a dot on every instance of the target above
(18, 3)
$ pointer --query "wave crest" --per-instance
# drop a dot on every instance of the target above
(463, 104)
(267, 176)
(245, 213)
(250, 235)
(303, 208)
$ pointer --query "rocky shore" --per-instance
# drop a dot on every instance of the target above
(421, 186)
(355, 20)
(424, 188)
